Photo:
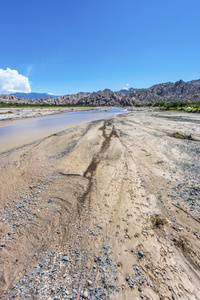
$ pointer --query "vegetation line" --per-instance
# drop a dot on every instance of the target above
(192, 107)
(43, 105)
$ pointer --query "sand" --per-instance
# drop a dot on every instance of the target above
(105, 210)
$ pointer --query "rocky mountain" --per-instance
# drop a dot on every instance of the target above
(169, 91)
(126, 92)
(180, 90)
(66, 99)
(31, 95)
(195, 82)
(12, 99)
(105, 97)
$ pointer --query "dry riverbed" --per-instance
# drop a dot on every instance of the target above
(105, 210)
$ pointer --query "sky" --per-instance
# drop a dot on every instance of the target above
(70, 46)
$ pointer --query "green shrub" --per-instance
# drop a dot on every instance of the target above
(183, 136)
(191, 107)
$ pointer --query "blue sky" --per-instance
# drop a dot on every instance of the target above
(68, 46)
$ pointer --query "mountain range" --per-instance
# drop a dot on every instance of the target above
(169, 91)
(31, 95)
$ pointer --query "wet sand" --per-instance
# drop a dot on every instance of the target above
(105, 210)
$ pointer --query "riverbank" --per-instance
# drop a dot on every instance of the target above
(105, 210)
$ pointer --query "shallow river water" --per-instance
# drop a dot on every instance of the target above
(19, 132)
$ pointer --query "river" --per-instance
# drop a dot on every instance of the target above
(19, 132)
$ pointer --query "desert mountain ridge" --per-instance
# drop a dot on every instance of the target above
(169, 91)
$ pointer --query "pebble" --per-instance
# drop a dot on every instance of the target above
(173, 297)
(141, 254)
(85, 294)
(89, 282)
(65, 258)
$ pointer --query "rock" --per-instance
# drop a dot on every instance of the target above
(65, 258)
(85, 294)
(140, 254)
(89, 282)
(127, 278)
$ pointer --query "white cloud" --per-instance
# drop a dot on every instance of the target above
(11, 82)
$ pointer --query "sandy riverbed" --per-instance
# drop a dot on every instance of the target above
(105, 210)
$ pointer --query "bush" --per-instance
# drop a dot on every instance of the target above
(158, 221)
(183, 136)
(191, 107)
